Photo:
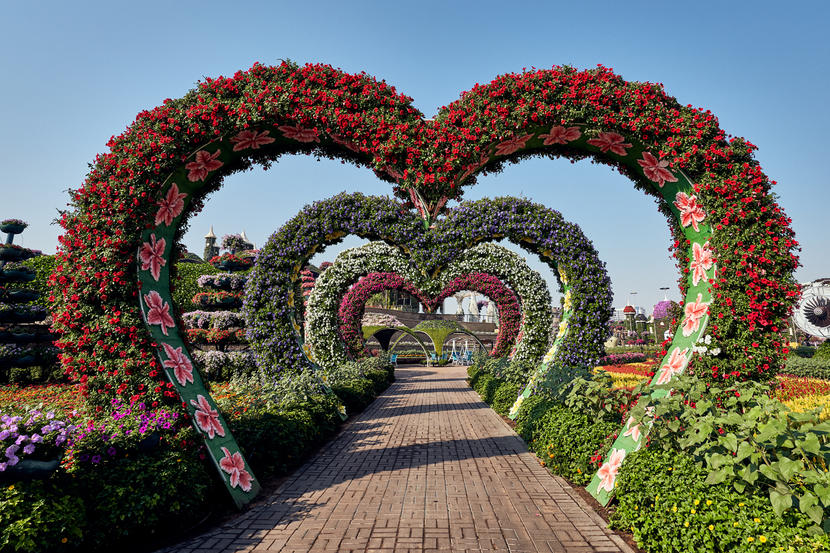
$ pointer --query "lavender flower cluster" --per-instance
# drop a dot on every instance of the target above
(34, 432)
(273, 312)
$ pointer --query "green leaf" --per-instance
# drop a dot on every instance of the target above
(745, 449)
(810, 444)
(788, 467)
(823, 493)
(808, 504)
(769, 472)
(780, 501)
(717, 476)
(730, 442)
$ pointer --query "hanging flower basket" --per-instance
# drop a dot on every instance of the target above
(13, 226)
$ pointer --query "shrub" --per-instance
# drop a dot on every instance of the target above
(804, 351)
(823, 351)
(530, 415)
(504, 397)
(355, 394)
(486, 386)
(622, 358)
(43, 265)
(184, 285)
(664, 501)
(571, 444)
(40, 516)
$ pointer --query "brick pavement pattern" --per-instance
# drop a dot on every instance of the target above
(427, 467)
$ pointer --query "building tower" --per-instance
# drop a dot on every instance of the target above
(211, 249)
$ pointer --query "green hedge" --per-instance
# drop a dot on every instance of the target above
(43, 265)
(662, 499)
(814, 367)
(185, 284)
(823, 351)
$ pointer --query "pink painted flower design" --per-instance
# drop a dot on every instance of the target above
(633, 431)
(234, 465)
(159, 311)
(207, 418)
(694, 311)
(171, 206)
(611, 141)
(512, 145)
(655, 170)
(300, 134)
(560, 135)
(178, 361)
(251, 139)
(675, 365)
(152, 256)
(204, 164)
(691, 213)
(702, 261)
(608, 471)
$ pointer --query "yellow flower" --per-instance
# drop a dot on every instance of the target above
(686, 524)
(694, 511)
(711, 527)
(762, 539)
(11, 487)
(697, 502)
(740, 504)
(64, 540)
(708, 501)
(735, 524)
(674, 509)
(750, 539)
(756, 520)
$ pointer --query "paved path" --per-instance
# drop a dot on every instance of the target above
(427, 467)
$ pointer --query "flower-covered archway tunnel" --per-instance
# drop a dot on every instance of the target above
(733, 243)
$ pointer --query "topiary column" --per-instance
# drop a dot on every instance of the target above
(23, 341)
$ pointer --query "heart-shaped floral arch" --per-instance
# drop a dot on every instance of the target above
(138, 196)
(353, 305)
(504, 267)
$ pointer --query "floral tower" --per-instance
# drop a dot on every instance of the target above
(217, 327)
(23, 341)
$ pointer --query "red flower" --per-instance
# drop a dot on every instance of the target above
(159, 311)
(691, 213)
(655, 170)
(561, 135)
(178, 361)
(611, 141)
(171, 206)
(512, 145)
(251, 139)
(205, 163)
(152, 256)
(300, 134)
(235, 466)
(207, 418)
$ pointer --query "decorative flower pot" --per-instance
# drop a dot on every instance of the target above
(12, 228)
(21, 296)
(13, 254)
(22, 316)
(18, 361)
(30, 469)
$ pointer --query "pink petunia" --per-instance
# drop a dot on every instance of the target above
(152, 256)
(691, 213)
(655, 170)
(694, 311)
(702, 261)
(608, 471)
(675, 365)
(171, 206)
(159, 311)
(234, 465)
(178, 361)
(611, 141)
(204, 164)
(251, 139)
(561, 135)
(207, 418)
(300, 134)
(512, 145)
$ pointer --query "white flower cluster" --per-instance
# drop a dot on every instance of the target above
(322, 319)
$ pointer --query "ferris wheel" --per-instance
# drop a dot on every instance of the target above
(812, 314)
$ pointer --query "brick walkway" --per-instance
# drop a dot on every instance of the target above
(427, 467)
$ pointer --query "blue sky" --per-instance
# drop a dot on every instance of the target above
(75, 74)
